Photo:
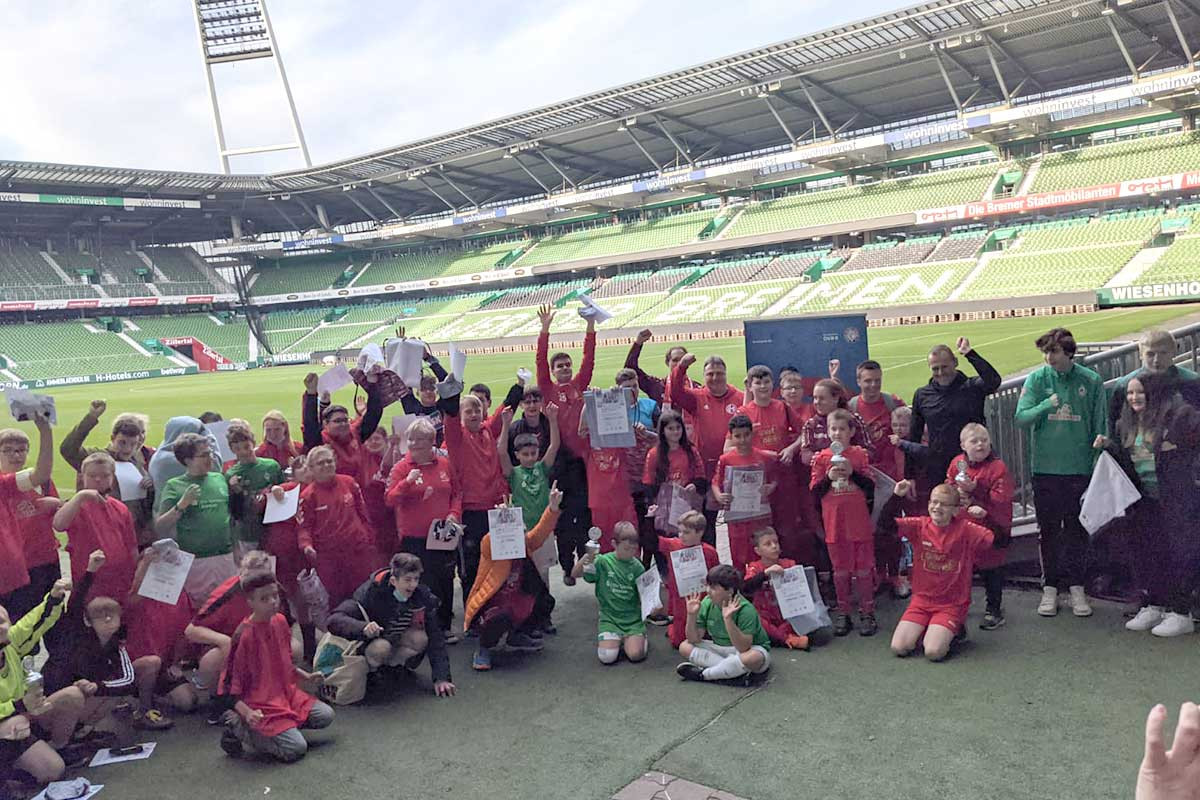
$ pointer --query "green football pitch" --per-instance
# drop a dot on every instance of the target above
(1007, 344)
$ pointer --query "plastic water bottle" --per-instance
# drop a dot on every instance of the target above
(906, 558)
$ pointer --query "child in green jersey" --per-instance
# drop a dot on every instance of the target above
(739, 645)
(615, 576)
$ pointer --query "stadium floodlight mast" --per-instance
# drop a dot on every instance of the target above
(240, 30)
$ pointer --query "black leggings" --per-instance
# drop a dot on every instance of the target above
(437, 572)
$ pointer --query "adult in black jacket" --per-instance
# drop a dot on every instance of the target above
(1156, 444)
(401, 622)
(948, 402)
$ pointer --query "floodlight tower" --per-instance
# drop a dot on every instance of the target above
(240, 30)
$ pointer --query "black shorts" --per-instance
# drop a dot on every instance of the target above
(13, 749)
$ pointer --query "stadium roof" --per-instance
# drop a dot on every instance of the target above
(925, 62)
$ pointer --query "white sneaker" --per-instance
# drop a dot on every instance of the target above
(1079, 602)
(1147, 617)
(1174, 625)
(1049, 605)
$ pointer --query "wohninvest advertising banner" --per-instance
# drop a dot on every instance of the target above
(104, 377)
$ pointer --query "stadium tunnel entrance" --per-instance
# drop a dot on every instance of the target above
(207, 359)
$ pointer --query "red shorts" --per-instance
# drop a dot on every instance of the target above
(952, 618)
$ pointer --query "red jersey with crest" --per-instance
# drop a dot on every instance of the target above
(773, 427)
(567, 396)
(414, 511)
(844, 510)
(41, 546)
(943, 560)
(877, 418)
(767, 604)
(994, 494)
(712, 414)
(476, 464)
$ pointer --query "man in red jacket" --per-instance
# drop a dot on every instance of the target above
(712, 405)
(560, 385)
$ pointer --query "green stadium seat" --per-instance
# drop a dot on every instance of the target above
(608, 240)
(1180, 262)
(26, 347)
(1143, 157)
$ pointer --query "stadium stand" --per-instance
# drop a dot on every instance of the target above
(175, 264)
(883, 199)
(1063, 256)
(21, 265)
(646, 282)
(722, 302)
(297, 274)
(607, 240)
(73, 262)
(185, 288)
(331, 337)
(536, 295)
(1180, 261)
(1144, 157)
(123, 267)
(792, 265)
(25, 346)
(722, 273)
(128, 290)
(425, 265)
(892, 254)
(958, 246)
(891, 286)
(231, 339)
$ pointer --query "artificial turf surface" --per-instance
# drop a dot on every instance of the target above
(1007, 344)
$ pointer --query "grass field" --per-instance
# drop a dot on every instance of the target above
(1007, 344)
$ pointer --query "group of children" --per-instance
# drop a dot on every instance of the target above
(814, 467)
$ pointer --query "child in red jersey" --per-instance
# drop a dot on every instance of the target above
(277, 443)
(945, 550)
(773, 425)
(282, 541)
(609, 497)
(843, 488)
(691, 534)
(561, 386)
(271, 707)
(828, 396)
(333, 530)
(758, 573)
(795, 515)
(94, 520)
(34, 513)
(985, 490)
(743, 454)
(674, 460)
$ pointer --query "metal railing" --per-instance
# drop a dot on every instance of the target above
(1011, 442)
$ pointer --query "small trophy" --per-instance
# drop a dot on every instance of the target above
(592, 547)
(838, 448)
(962, 476)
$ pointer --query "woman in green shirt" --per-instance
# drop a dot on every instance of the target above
(195, 507)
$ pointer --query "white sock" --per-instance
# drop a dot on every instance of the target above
(608, 655)
(730, 667)
(704, 658)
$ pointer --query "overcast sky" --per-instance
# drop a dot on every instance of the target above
(120, 82)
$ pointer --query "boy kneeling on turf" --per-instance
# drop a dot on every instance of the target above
(946, 549)
(271, 707)
(739, 646)
(615, 576)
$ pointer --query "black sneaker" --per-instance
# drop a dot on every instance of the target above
(75, 756)
(658, 619)
(842, 624)
(231, 743)
(216, 714)
(992, 620)
(867, 626)
(549, 629)
(689, 671)
(959, 637)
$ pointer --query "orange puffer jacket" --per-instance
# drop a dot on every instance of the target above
(493, 574)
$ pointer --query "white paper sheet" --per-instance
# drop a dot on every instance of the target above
(400, 428)
(442, 536)
(23, 404)
(589, 310)
(92, 791)
(218, 430)
(506, 526)
(885, 487)
(334, 378)
(105, 756)
(612, 412)
(129, 481)
(649, 586)
(746, 487)
(279, 510)
(792, 593)
(690, 570)
(405, 359)
(166, 576)
(458, 361)
(1108, 494)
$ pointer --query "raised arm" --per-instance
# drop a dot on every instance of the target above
(681, 394)
(45, 460)
(989, 380)
(542, 359)
(551, 413)
(310, 424)
(584, 379)
(506, 465)
(371, 417)
(72, 449)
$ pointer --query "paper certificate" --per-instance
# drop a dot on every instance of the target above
(458, 361)
(690, 569)
(129, 481)
(443, 535)
(279, 510)
(792, 593)
(612, 412)
(649, 586)
(672, 503)
(506, 526)
(166, 574)
(746, 485)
